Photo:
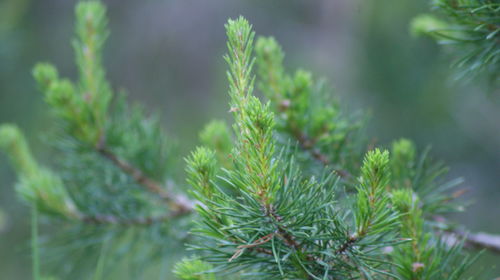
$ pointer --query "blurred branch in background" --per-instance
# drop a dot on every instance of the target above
(472, 29)
(455, 234)
(480, 240)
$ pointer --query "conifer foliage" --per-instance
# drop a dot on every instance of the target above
(472, 28)
(293, 192)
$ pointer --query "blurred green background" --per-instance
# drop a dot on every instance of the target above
(168, 56)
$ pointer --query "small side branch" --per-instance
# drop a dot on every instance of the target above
(114, 220)
(260, 241)
(135, 173)
(180, 205)
(307, 144)
(346, 245)
(282, 232)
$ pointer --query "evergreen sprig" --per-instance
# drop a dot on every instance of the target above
(37, 185)
(373, 214)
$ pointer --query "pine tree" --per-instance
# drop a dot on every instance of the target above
(294, 191)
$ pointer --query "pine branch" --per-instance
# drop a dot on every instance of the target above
(479, 240)
(86, 117)
(263, 213)
(44, 181)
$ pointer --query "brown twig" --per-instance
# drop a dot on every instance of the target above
(307, 144)
(348, 243)
(282, 232)
(180, 205)
(472, 240)
(260, 241)
(135, 173)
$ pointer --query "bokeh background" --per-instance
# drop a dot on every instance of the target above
(168, 55)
